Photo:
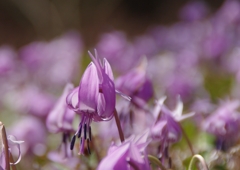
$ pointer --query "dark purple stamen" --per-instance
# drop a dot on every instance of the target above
(85, 131)
(90, 133)
(72, 142)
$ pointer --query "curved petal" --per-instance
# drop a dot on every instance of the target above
(108, 91)
(108, 69)
(72, 99)
(89, 88)
(13, 142)
(179, 108)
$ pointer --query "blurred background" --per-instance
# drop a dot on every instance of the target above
(23, 21)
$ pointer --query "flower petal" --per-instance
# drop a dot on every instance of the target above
(89, 89)
(13, 142)
(55, 118)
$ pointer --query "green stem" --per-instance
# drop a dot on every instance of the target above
(201, 159)
(119, 126)
(5, 143)
(156, 161)
(188, 141)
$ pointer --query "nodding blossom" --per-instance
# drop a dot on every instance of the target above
(167, 129)
(6, 143)
(129, 155)
(94, 99)
(60, 118)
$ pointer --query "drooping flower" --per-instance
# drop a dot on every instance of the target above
(128, 156)
(61, 117)
(94, 99)
(167, 129)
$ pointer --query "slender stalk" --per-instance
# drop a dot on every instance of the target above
(156, 161)
(119, 126)
(11, 159)
(200, 159)
(5, 146)
(188, 141)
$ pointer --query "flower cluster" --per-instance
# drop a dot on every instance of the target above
(152, 101)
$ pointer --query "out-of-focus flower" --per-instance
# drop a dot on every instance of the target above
(195, 10)
(224, 124)
(167, 129)
(31, 100)
(33, 132)
(61, 117)
(136, 85)
(10, 142)
(7, 60)
(94, 99)
(128, 156)
(60, 120)
(118, 51)
(45, 60)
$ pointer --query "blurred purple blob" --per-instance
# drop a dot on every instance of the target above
(56, 62)
(193, 11)
(32, 131)
(60, 118)
(119, 52)
(224, 124)
(32, 100)
(229, 13)
(136, 85)
(7, 60)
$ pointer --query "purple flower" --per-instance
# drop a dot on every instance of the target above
(94, 99)
(136, 85)
(61, 117)
(128, 156)
(224, 123)
(167, 129)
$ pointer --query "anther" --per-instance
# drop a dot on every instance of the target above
(85, 131)
(72, 142)
(90, 133)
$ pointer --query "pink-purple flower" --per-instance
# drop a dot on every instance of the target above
(129, 155)
(94, 99)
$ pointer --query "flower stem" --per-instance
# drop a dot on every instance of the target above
(188, 141)
(201, 159)
(119, 126)
(156, 161)
(5, 143)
